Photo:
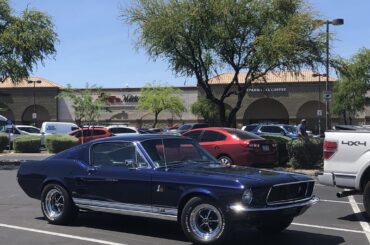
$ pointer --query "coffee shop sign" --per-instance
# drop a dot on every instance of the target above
(260, 90)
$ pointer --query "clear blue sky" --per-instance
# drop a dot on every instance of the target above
(97, 47)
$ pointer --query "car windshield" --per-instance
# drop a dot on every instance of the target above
(185, 127)
(30, 130)
(290, 129)
(250, 127)
(167, 152)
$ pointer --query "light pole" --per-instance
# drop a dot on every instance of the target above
(335, 22)
(319, 75)
(34, 114)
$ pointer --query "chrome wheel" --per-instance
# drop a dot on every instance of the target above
(225, 160)
(54, 204)
(206, 222)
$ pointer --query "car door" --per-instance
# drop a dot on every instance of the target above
(212, 142)
(118, 174)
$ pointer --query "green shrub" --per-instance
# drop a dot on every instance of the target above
(59, 142)
(282, 147)
(3, 141)
(27, 144)
(305, 153)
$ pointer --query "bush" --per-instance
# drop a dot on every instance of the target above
(59, 142)
(282, 148)
(305, 153)
(27, 144)
(3, 141)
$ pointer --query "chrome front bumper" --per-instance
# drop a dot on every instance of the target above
(240, 208)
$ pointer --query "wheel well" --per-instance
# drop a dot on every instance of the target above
(225, 155)
(187, 197)
(53, 182)
(365, 178)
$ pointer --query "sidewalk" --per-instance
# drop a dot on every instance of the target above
(17, 158)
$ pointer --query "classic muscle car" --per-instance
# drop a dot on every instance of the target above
(165, 177)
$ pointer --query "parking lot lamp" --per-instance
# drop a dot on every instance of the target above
(318, 113)
(34, 114)
(334, 22)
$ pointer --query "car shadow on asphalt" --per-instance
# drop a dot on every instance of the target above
(172, 231)
(356, 217)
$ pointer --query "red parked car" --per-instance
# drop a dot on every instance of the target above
(234, 146)
(87, 134)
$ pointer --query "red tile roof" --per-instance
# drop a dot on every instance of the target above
(272, 77)
(39, 83)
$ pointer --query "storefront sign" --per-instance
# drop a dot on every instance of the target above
(261, 90)
(129, 98)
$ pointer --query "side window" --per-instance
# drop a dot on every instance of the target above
(122, 154)
(121, 130)
(210, 136)
(98, 132)
(194, 135)
(271, 129)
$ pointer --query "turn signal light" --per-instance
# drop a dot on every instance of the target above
(330, 147)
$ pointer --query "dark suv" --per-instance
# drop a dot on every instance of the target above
(274, 129)
(189, 126)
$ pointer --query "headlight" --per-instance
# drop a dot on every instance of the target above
(247, 196)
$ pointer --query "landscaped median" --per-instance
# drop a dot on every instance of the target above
(301, 153)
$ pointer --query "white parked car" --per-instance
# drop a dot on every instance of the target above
(119, 130)
(29, 129)
(48, 128)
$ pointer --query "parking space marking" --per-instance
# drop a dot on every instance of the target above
(329, 228)
(344, 202)
(365, 226)
(87, 239)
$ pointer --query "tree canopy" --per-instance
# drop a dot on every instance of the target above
(206, 109)
(351, 88)
(201, 38)
(86, 106)
(25, 40)
(156, 98)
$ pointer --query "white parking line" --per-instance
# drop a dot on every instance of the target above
(87, 239)
(334, 201)
(328, 228)
(365, 226)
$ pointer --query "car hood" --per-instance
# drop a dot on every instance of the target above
(241, 174)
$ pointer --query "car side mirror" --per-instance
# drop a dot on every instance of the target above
(130, 163)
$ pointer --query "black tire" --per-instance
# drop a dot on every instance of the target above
(275, 225)
(225, 160)
(366, 198)
(57, 205)
(216, 225)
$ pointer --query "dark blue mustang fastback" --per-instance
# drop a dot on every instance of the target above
(165, 177)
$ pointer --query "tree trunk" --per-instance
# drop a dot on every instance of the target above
(221, 109)
(155, 119)
(350, 120)
(344, 117)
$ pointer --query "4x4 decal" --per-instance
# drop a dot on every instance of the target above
(354, 143)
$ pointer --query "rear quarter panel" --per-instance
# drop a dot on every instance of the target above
(33, 175)
(351, 159)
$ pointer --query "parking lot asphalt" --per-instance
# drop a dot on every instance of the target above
(331, 221)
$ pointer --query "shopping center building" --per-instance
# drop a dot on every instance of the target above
(283, 97)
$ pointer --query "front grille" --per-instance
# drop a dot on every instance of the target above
(290, 192)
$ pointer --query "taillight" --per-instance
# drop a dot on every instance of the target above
(250, 144)
(330, 147)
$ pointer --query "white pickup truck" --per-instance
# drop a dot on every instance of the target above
(347, 163)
